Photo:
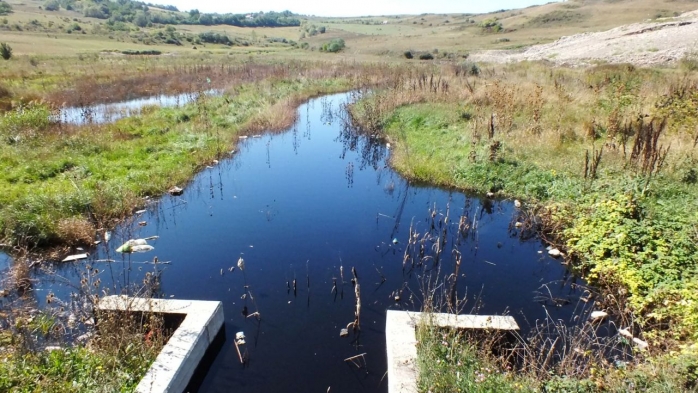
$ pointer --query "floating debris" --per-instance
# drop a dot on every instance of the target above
(354, 359)
(76, 257)
(344, 333)
(241, 264)
(625, 333)
(395, 241)
(139, 212)
(176, 191)
(142, 223)
(135, 245)
(239, 340)
(554, 252)
(243, 137)
(641, 344)
(107, 236)
(144, 248)
(152, 238)
(598, 315)
(517, 204)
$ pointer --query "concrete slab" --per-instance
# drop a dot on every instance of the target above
(176, 363)
(401, 340)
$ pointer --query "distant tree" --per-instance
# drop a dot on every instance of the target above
(141, 19)
(52, 5)
(206, 19)
(5, 51)
(95, 12)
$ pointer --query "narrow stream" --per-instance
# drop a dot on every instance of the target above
(308, 205)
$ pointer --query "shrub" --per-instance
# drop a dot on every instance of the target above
(95, 12)
(52, 5)
(333, 46)
(215, 38)
(491, 26)
(5, 51)
(426, 56)
(408, 55)
(469, 68)
(5, 8)
(141, 52)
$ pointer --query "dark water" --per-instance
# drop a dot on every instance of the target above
(301, 205)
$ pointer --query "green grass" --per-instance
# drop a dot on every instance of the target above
(33, 31)
(631, 233)
(449, 362)
(74, 369)
(50, 175)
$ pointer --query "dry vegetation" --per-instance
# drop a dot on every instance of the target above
(604, 157)
(367, 38)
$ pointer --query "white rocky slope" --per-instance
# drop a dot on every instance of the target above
(644, 44)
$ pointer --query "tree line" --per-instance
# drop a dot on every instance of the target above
(140, 14)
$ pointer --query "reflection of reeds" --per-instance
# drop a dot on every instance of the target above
(19, 278)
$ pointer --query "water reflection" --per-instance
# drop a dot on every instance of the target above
(109, 113)
(316, 214)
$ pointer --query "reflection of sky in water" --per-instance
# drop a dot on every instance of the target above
(107, 113)
(4, 262)
(298, 206)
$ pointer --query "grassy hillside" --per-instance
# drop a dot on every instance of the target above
(32, 30)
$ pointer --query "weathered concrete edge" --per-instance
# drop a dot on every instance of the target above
(179, 358)
(401, 341)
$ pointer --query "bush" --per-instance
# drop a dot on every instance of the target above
(141, 52)
(408, 55)
(333, 46)
(95, 12)
(215, 38)
(5, 8)
(491, 26)
(52, 5)
(5, 51)
(426, 56)
(468, 68)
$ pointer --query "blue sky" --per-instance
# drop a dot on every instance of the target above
(352, 7)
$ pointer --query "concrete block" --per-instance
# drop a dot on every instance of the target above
(401, 341)
(175, 365)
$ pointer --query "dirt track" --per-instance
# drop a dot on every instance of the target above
(644, 44)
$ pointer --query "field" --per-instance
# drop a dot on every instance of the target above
(602, 158)
(375, 38)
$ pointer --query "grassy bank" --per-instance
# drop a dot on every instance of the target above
(62, 183)
(70, 345)
(604, 156)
